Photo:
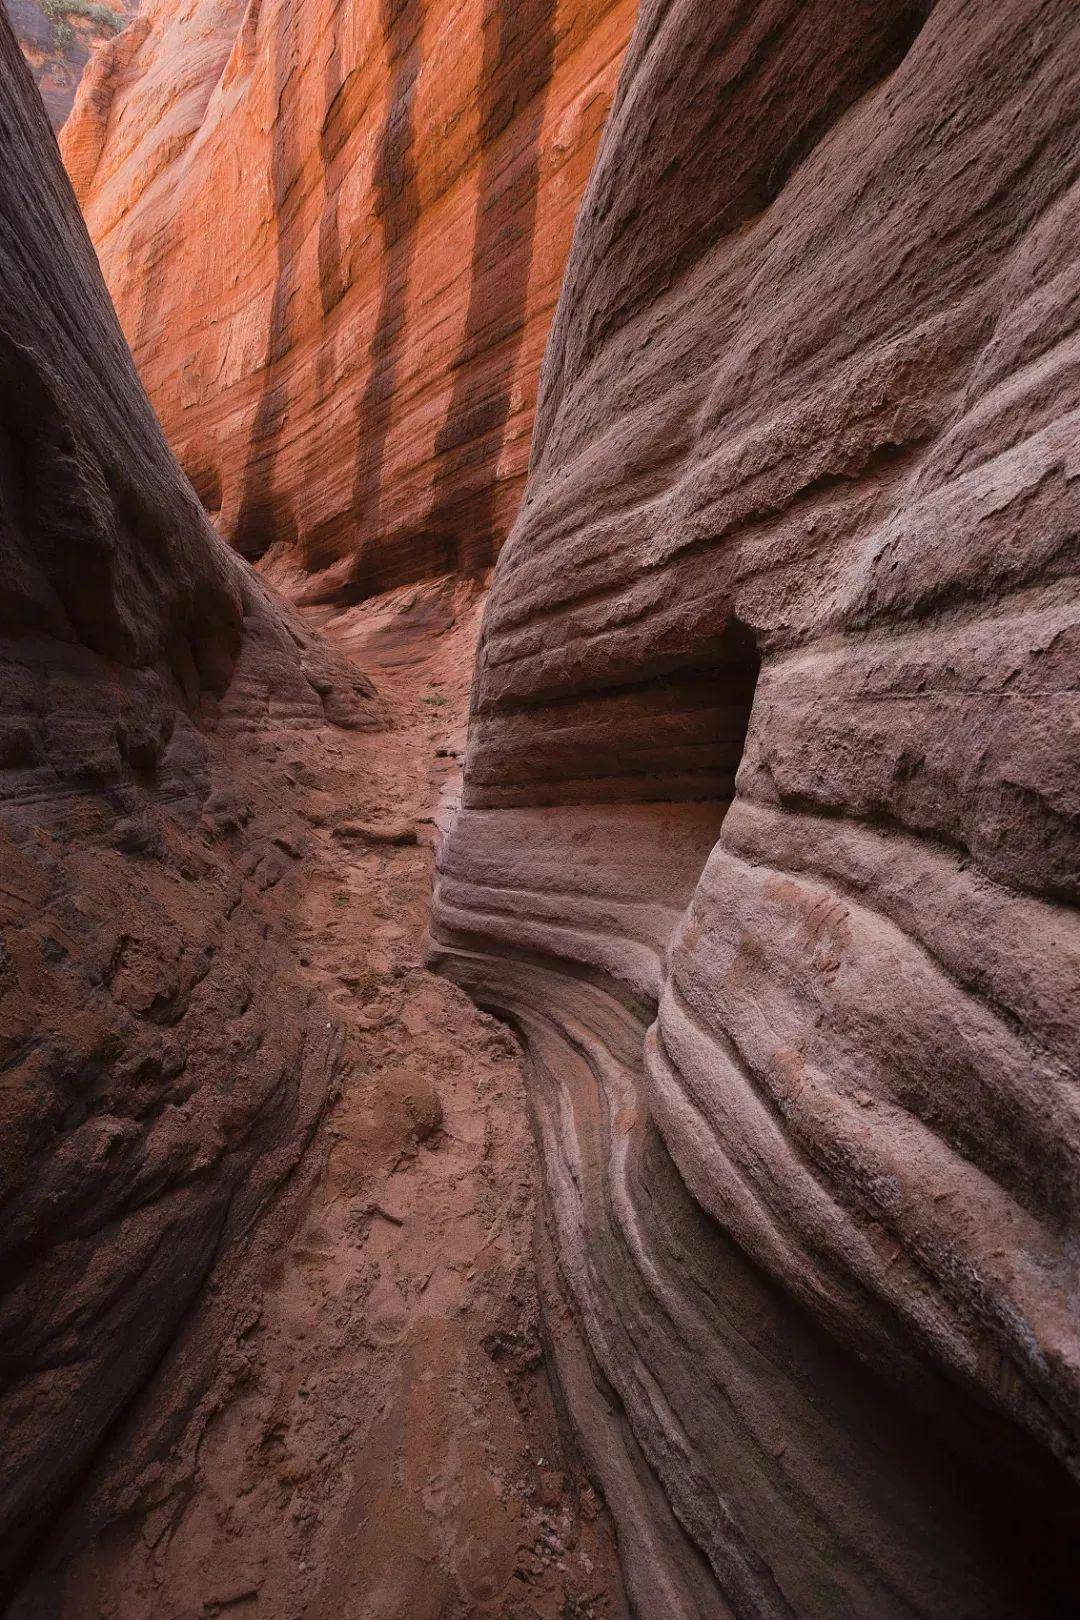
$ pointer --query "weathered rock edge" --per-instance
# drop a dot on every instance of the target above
(803, 505)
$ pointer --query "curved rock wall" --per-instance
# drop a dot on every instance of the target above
(803, 506)
(162, 1070)
(335, 237)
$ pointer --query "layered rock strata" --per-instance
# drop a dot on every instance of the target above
(163, 1070)
(768, 840)
(335, 238)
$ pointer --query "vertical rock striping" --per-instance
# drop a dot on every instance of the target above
(335, 238)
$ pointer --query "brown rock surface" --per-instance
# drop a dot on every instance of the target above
(335, 238)
(375, 1436)
(266, 1185)
(57, 39)
(802, 1047)
(156, 1092)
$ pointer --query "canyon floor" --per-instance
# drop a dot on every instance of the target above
(385, 1444)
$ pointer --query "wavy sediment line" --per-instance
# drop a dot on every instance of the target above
(796, 463)
(683, 1363)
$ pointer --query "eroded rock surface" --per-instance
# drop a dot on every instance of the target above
(269, 1337)
(769, 830)
(57, 40)
(162, 1071)
(377, 1438)
(335, 237)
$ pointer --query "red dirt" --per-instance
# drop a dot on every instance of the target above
(384, 1442)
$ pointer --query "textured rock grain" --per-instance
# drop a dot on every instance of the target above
(335, 237)
(803, 507)
(162, 1069)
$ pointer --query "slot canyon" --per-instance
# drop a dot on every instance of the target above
(540, 810)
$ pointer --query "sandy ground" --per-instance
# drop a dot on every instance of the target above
(388, 1448)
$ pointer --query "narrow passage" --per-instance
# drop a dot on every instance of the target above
(387, 1447)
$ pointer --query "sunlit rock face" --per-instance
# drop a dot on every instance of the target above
(769, 833)
(162, 1068)
(57, 39)
(335, 236)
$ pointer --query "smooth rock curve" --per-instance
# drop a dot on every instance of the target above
(769, 831)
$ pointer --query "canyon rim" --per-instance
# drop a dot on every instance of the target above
(540, 974)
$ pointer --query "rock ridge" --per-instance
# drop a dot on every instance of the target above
(58, 38)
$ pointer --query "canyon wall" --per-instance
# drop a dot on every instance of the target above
(335, 237)
(163, 1071)
(769, 835)
(57, 39)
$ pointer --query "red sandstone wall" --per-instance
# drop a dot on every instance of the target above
(335, 237)
(163, 1067)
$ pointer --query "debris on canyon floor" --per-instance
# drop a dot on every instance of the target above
(764, 840)
(381, 1441)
